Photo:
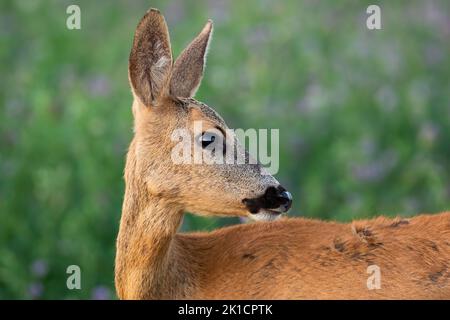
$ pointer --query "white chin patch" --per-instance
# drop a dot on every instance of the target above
(264, 215)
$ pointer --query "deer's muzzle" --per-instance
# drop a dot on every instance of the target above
(276, 199)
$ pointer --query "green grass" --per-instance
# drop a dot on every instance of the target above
(364, 118)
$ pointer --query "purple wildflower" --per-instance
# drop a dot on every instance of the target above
(101, 293)
(35, 290)
(39, 268)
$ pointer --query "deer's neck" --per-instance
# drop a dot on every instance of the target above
(145, 242)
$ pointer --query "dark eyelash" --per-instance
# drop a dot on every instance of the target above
(221, 130)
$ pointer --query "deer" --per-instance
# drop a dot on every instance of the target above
(275, 257)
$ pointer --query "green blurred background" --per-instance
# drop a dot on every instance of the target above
(364, 118)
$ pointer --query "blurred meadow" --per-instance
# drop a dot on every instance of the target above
(364, 118)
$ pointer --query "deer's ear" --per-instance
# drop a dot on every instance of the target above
(188, 68)
(150, 61)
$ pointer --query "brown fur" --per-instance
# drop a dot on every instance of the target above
(284, 259)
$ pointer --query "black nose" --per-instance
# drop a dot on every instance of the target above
(285, 199)
(276, 199)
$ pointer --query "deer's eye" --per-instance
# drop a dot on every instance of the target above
(207, 138)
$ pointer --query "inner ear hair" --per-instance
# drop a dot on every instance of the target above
(188, 68)
(150, 60)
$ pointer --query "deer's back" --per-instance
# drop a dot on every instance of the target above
(301, 258)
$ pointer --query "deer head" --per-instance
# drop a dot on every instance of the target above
(163, 103)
